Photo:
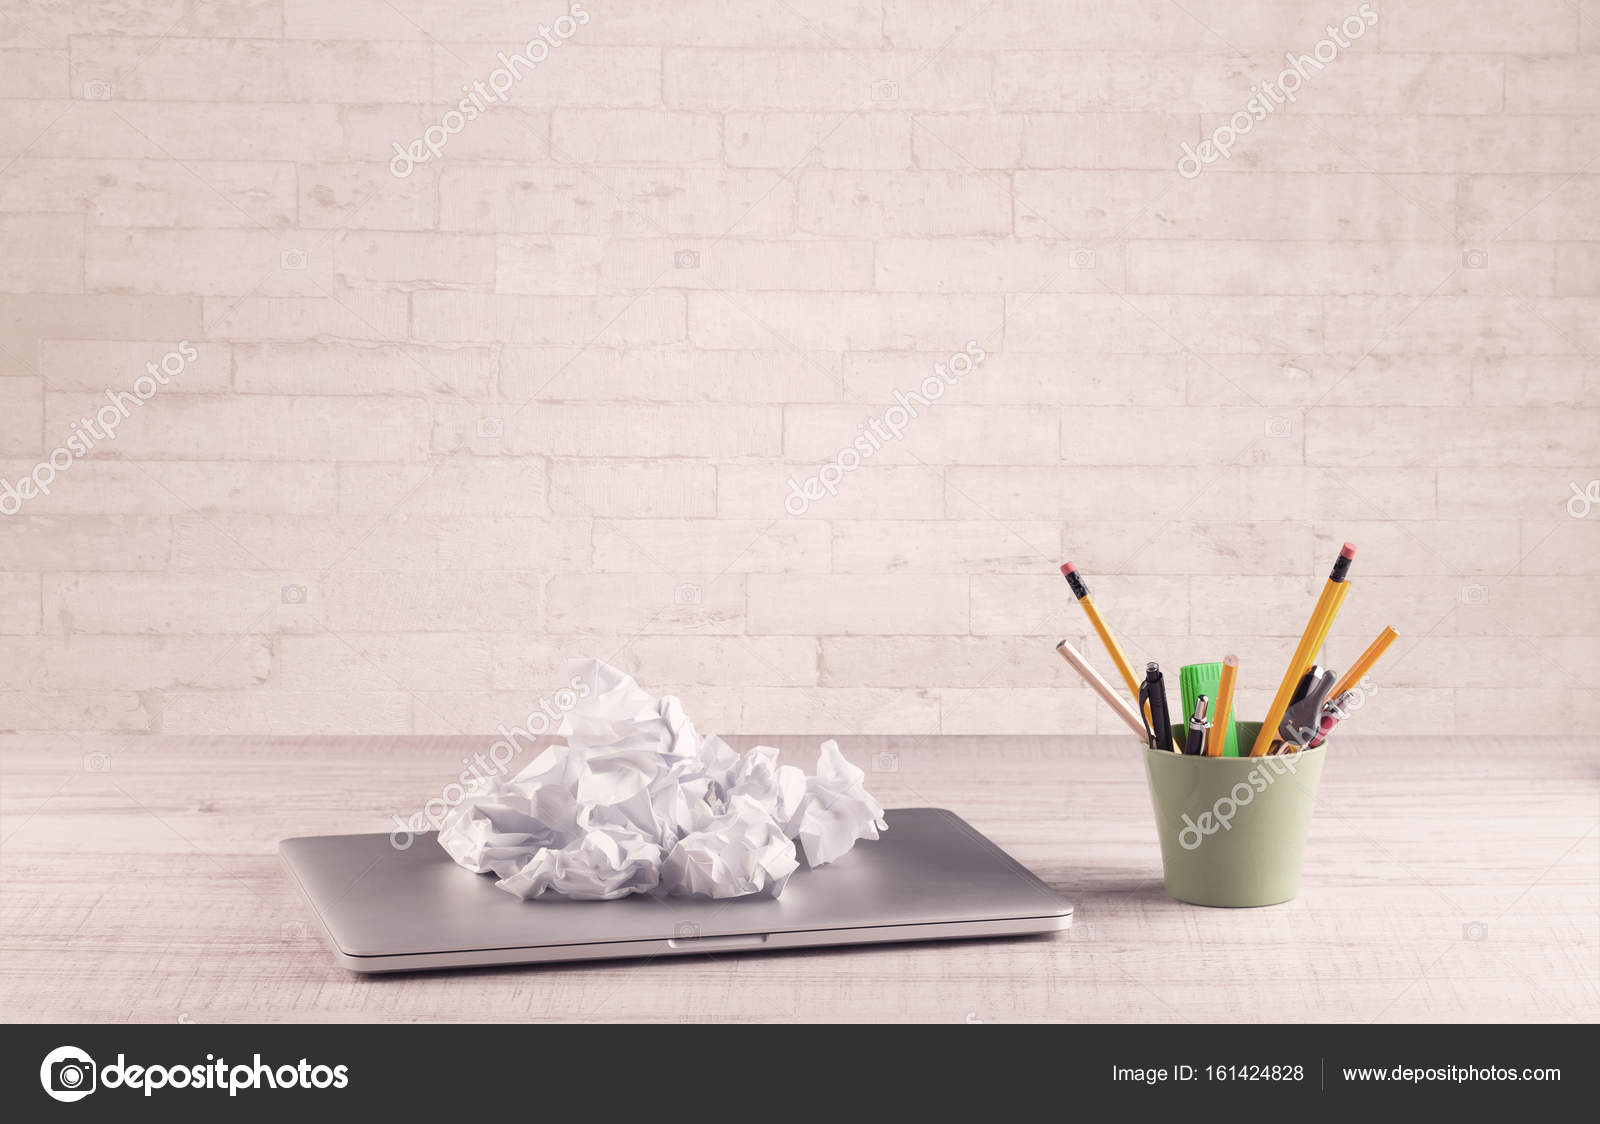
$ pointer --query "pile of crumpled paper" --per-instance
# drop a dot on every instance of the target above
(636, 802)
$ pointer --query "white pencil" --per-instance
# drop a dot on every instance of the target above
(1112, 697)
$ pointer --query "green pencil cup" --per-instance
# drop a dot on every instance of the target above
(1232, 828)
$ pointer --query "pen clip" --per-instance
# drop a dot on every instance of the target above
(1144, 712)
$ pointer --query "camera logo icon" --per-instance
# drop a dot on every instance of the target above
(491, 429)
(1279, 427)
(1474, 931)
(885, 762)
(1474, 594)
(292, 259)
(885, 89)
(68, 1074)
(1085, 259)
(1475, 259)
(686, 259)
(96, 90)
(293, 594)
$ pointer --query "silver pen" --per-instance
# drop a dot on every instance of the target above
(1199, 728)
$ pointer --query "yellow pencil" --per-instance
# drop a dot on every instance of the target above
(1321, 617)
(1359, 669)
(1327, 623)
(1081, 592)
(1222, 716)
(1323, 628)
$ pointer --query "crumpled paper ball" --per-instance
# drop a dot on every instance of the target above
(637, 802)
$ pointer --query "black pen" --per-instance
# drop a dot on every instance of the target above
(1153, 702)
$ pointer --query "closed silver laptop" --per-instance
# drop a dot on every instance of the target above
(930, 877)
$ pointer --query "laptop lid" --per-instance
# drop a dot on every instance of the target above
(930, 876)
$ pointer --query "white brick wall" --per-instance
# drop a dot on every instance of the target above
(544, 395)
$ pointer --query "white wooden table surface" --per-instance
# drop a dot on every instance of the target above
(1445, 879)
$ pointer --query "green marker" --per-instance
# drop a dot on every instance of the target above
(1196, 679)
